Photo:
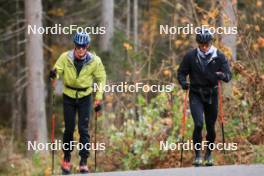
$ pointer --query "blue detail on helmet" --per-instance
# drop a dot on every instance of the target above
(204, 36)
(81, 38)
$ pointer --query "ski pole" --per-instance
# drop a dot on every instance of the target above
(95, 132)
(52, 125)
(183, 123)
(221, 113)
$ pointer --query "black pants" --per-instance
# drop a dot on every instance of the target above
(202, 108)
(83, 107)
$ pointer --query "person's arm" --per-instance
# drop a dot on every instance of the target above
(224, 73)
(100, 78)
(183, 71)
(58, 68)
(59, 65)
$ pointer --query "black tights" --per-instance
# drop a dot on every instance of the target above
(71, 107)
(201, 110)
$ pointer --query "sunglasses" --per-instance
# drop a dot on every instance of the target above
(204, 44)
(80, 47)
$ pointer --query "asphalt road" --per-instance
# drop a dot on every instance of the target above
(228, 170)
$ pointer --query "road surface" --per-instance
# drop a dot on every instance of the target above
(227, 170)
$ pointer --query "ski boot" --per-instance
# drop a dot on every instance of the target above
(83, 166)
(65, 167)
(208, 160)
(198, 159)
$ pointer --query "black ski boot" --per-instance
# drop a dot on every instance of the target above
(208, 160)
(198, 159)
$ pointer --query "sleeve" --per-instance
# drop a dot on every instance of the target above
(59, 66)
(100, 78)
(183, 71)
(225, 68)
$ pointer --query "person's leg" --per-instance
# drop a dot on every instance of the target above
(84, 111)
(211, 111)
(69, 109)
(197, 111)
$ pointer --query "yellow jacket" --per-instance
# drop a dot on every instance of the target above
(91, 71)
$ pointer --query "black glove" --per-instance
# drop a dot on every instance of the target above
(220, 75)
(185, 86)
(98, 106)
(53, 74)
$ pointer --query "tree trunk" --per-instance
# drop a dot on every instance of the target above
(108, 22)
(230, 40)
(18, 94)
(128, 20)
(36, 115)
(135, 9)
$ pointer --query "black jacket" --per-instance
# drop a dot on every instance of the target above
(203, 75)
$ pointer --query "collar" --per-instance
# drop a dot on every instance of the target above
(212, 51)
(87, 55)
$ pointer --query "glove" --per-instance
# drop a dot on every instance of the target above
(98, 106)
(185, 86)
(53, 74)
(220, 75)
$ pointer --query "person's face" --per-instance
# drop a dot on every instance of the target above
(204, 47)
(81, 50)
